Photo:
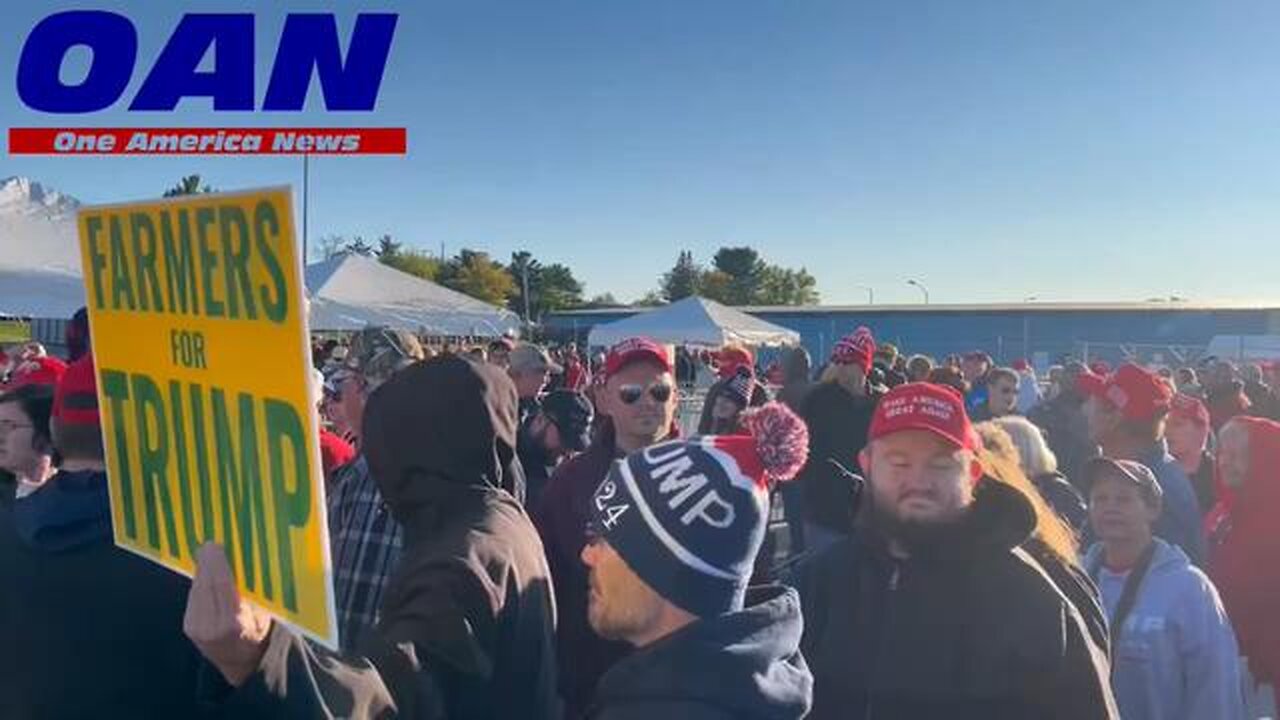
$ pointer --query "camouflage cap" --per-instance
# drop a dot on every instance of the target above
(378, 352)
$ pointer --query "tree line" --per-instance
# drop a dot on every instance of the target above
(737, 276)
(532, 288)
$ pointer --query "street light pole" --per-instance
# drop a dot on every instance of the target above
(306, 192)
(871, 293)
(524, 281)
(922, 288)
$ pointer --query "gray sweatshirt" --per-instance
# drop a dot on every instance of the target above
(1176, 657)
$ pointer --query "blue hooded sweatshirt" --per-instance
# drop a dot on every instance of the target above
(738, 666)
(1176, 657)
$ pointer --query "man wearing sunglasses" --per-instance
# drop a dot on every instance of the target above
(635, 408)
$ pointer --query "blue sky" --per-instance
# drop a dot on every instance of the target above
(1081, 150)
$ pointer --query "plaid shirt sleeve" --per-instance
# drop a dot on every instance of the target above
(365, 542)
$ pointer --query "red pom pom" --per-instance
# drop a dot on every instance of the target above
(782, 439)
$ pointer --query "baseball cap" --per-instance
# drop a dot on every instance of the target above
(572, 414)
(1139, 394)
(75, 399)
(1190, 408)
(378, 352)
(528, 357)
(732, 358)
(938, 409)
(634, 350)
(1130, 470)
(39, 371)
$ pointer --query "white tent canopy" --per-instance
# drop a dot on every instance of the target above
(349, 292)
(694, 321)
(346, 293)
(40, 293)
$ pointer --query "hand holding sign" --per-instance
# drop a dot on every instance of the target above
(227, 629)
(209, 425)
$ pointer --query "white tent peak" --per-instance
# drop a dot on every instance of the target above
(351, 291)
(24, 196)
(695, 321)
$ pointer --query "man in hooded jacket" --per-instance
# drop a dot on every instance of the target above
(932, 609)
(468, 619)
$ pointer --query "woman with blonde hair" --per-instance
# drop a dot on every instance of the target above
(1041, 467)
(1000, 459)
(1053, 543)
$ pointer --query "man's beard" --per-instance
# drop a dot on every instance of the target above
(915, 534)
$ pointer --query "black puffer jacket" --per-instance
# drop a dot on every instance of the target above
(468, 619)
(972, 628)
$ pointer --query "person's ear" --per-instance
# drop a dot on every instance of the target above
(864, 460)
(1153, 507)
(975, 469)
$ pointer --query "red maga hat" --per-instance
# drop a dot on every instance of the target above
(938, 409)
(1139, 394)
(634, 350)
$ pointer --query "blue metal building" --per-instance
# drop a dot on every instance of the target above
(1155, 332)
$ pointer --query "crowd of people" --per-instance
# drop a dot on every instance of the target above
(518, 532)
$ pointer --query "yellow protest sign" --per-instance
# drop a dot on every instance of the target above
(199, 336)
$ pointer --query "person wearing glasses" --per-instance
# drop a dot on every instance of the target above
(635, 408)
(26, 449)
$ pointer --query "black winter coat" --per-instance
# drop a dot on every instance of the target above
(1067, 432)
(561, 518)
(89, 630)
(838, 423)
(738, 666)
(972, 628)
(467, 622)
(1064, 498)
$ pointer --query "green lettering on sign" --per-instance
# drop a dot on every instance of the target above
(97, 261)
(144, 258)
(115, 386)
(235, 253)
(121, 284)
(266, 234)
(208, 262)
(153, 462)
(292, 508)
(240, 489)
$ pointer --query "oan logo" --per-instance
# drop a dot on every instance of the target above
(309, 42)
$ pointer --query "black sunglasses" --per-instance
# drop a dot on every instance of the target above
(659, 391)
